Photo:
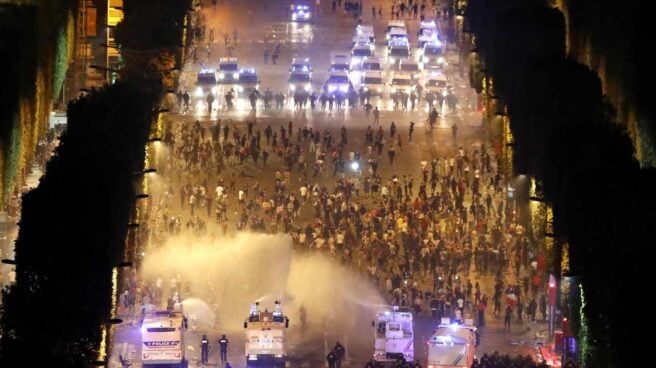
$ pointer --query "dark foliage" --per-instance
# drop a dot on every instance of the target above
(73, 228)
(566, 136)
(149, 25)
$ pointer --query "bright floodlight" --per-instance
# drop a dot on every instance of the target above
(355, 166)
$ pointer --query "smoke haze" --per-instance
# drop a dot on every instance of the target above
(230, 273)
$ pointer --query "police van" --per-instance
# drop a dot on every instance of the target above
(265, 337)
(162, 339)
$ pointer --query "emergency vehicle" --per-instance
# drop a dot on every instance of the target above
(162, 339)
(437, 83)
(393, 338)
(338, 83)
(397, 50)
(228, 70)
(366, 31)
(410, 66)
(395, 24)
(402, 82)
(299, 63)
(248, 81)
(265, 337)
(300, 79)
(452, 346)
(432, 55)
(360, 52)
(372, 82)
(339, 62)
(371, 64)
(300, 13)
(205, 83)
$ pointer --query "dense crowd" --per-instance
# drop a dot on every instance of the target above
(424, 234)
(418, 236)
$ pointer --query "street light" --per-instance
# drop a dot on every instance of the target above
(114, 321)
(98, 67)
(145, 172)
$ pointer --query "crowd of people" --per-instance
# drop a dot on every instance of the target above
(425, 232)
(421, 235)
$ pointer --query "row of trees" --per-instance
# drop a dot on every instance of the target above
(74, 224)
(73, 227)
(612, 37)
(566, 135)
(36, 57)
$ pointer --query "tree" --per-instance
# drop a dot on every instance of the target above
(73, 228)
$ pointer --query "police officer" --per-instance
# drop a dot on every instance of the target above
(332, 359)
(223, 347)
(339, 351)
(204, 349)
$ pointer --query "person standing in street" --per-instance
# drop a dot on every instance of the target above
(332, 359)
(339, 352)
(454, 131)
(411, 130)
(376, 116)
(210, 101)
(223, 348)
(543, 307)
(507, 318)
(204, 349)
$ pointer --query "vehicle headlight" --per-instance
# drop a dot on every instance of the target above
(252, 357)
(440, 60)
(198, 92)
(425, 59)
(292, 87)
(221, 75)
(235, 75)
(307, 15)
(240, 89)
(343, 88)
(278, 355)
(331, 88)
(307, 87)
(214, 90)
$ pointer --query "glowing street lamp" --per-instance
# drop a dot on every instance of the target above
(145, 172)
(552, 303)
